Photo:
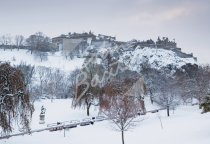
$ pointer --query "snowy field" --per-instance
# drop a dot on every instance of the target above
(55, 60)
(185, 126)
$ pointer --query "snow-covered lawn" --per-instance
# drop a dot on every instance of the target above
(185, 126)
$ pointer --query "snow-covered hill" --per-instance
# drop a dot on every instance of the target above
(157, 58)
(131, 56)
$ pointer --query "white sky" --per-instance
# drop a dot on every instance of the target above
(188, 21)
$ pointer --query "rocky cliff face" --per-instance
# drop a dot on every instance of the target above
(133, 55)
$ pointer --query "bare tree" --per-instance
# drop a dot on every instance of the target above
(195, 83)
(42, 56)
(6, 41)
(28, 72)
(53, 83)
(120, 105)
(167, 94)
(19, 39)
(42, 75)
(87, 89)
(150, 76)
(39, 42)
(72, 82)
(202, 81)
(57, 84)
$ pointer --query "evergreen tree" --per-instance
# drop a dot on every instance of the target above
(206, 104)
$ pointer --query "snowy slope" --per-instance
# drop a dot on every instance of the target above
(56, 60)
(132, 57)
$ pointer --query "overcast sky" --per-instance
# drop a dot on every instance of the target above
(188, 21)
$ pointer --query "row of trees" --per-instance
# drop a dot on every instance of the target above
(44, 82)
(188, 83)
(20, 86)
(36, 42)
(7, 41)
(48, 83)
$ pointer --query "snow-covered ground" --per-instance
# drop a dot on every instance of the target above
(185, 126)
(55, 60)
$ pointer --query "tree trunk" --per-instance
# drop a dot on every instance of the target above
(88, 110)
(123, 141)
(151, 98)
(168, 111)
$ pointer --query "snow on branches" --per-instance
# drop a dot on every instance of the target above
(14, 99)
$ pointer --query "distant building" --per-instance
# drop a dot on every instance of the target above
(103, 41)
(165, 43)
(72, 40)
(105, 37)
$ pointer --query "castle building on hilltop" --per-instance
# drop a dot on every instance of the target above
(72, 40)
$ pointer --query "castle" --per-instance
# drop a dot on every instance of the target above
(72, 40)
